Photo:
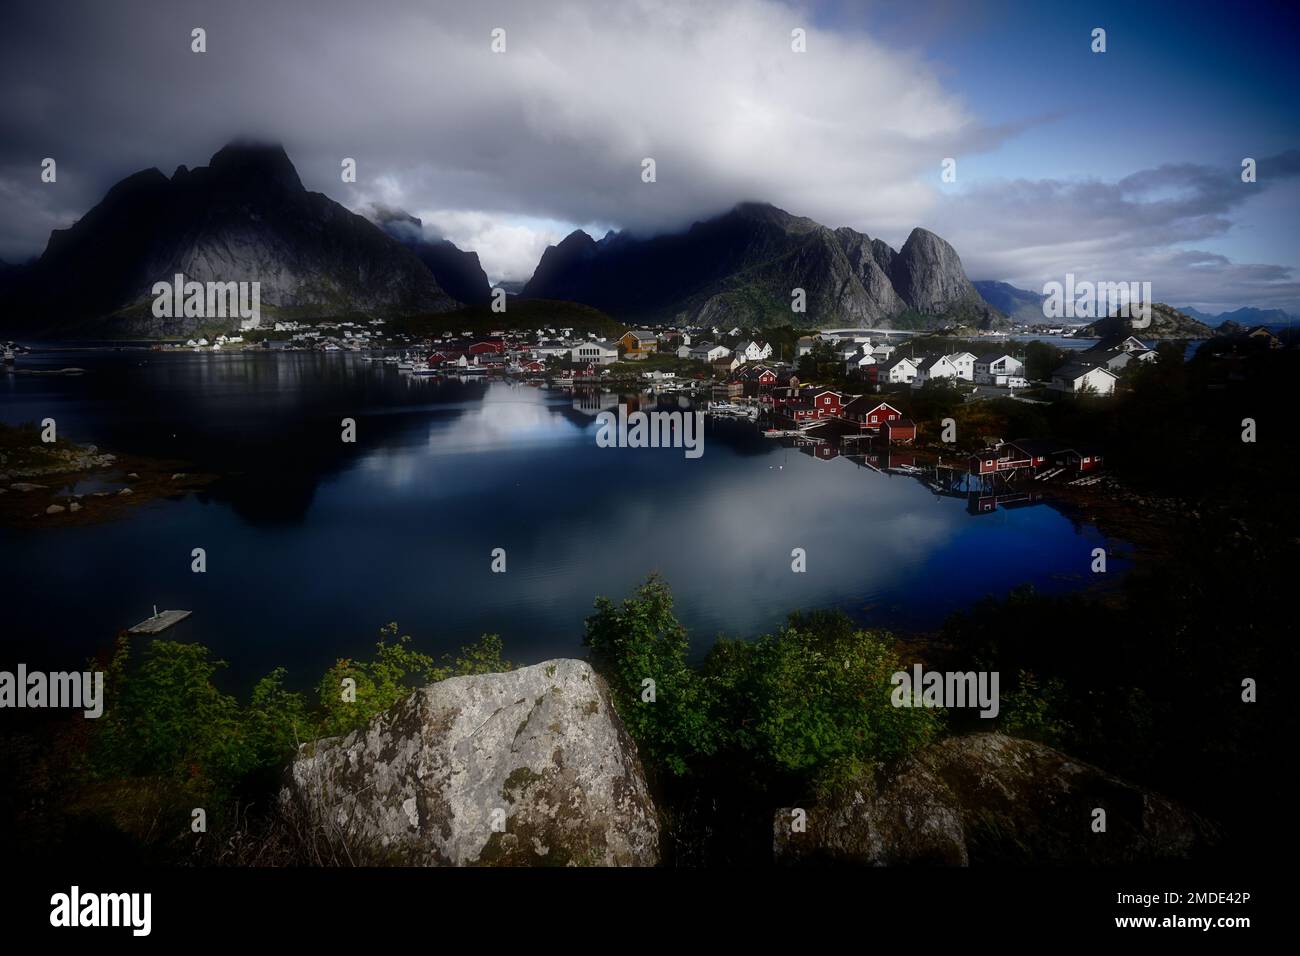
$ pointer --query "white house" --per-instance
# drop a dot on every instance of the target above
(804, 345)
(708, 352)
(551, 348)
(683, 351)
(884, 352)
(596, 352)
(1075, 377)
(756, 351)
(902, 371)
(932, 368)
(860, 361)
(964, 362)
(1118, 356)
(1000, 369)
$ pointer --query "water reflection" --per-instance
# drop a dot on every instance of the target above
(312, 542)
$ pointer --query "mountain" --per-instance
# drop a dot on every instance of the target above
(1243, 318)
(1200, 316)
(1021, 305)
(740, 268)
(244, 217)
(1166, 323)
(458, 272)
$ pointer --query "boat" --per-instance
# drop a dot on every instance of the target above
(9, 356)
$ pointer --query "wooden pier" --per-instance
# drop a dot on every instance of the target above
(160, 622)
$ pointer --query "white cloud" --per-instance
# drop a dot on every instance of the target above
(507, 250)
(502, 152)
(849, 132)
(1151, 226)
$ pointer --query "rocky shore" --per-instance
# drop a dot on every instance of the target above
(533, 767)
(42, 484)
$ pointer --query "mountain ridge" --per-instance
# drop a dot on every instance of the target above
(458, 271)
(742, 267)
(1166, 322)
(245, 217)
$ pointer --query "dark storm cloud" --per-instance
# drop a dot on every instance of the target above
(502, 153)
(555, 128)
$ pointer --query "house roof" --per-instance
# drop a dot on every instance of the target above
(1039, 447)
(1073, 370)
(866, 403)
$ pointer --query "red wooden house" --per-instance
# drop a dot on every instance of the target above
(799, 411)
(869, 414)
(1084, 459)
(826, 402)
(487, 348)
(899, 431)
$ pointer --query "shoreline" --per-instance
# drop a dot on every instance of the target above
(38, 484)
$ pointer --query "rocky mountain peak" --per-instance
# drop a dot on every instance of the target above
(244, 218)
(251, 163)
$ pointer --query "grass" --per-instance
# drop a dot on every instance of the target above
(520, 315)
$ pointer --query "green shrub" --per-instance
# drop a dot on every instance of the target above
(393, 673)
(1033, 710)
(811, 702)
(168, 719)
(165, 719)
(640, 640)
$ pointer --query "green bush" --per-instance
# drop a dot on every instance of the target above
(1033, 710)
(168, 719)
(810, 703)
(638, 641)
(165, 718)
(395, 670)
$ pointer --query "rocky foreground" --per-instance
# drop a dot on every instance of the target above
(529, 767)
(989, 798)
(533, 767)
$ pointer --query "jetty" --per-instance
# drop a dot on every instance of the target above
(159, 622)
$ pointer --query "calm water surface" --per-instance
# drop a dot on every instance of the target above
(312, 544)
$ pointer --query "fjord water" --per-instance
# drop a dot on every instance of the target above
(312, 543)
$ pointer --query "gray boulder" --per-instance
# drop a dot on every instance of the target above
(529, 767)
(989, 798)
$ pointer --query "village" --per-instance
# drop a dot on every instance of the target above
(845, 392)
(735, 375)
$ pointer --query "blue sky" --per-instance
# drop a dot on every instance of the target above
(1192, 82)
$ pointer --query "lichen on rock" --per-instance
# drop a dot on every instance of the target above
(527, 767)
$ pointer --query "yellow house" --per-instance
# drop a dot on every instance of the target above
(638, 344)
